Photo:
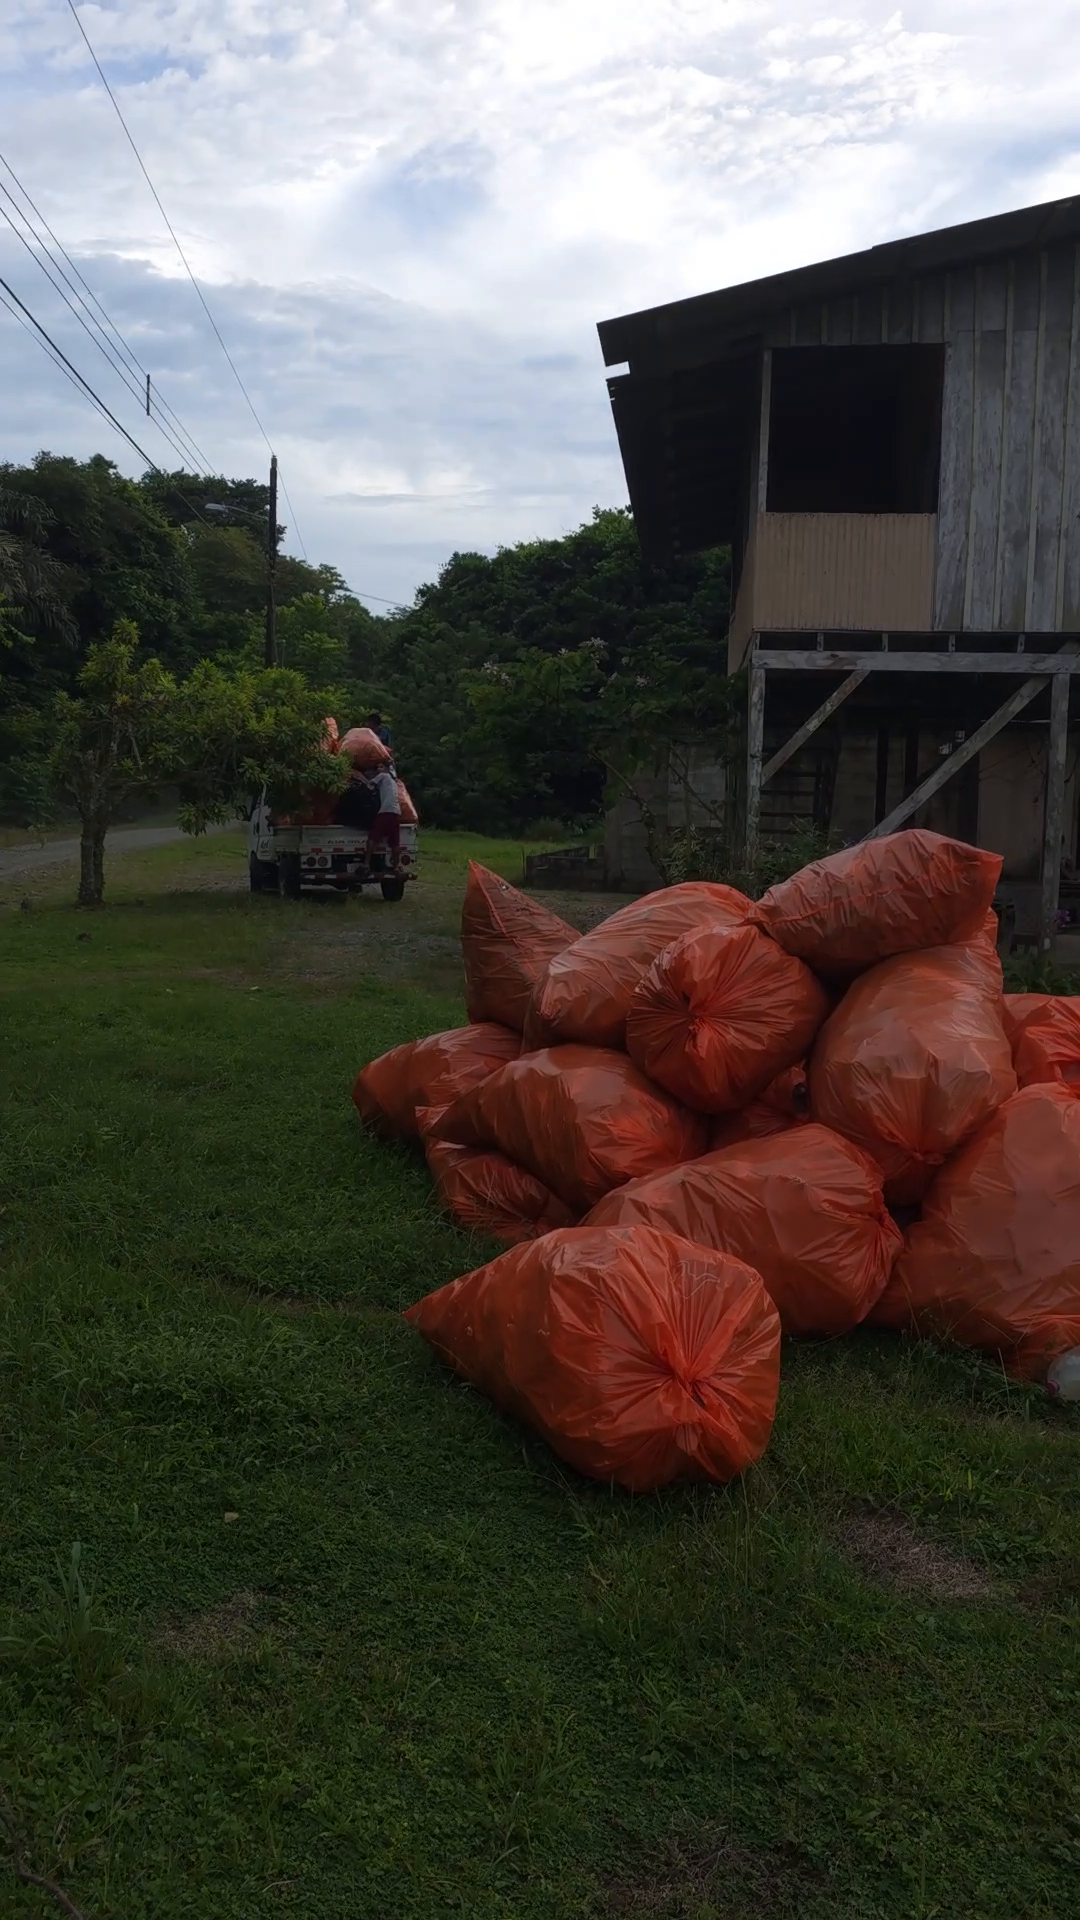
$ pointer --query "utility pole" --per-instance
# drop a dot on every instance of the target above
(271, 567)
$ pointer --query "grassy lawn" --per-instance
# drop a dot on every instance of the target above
(338, 1641)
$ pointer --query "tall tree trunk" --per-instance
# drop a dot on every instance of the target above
(92, 863)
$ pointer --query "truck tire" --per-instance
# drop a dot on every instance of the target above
(262, 875)
(393, 889)
(288, 876)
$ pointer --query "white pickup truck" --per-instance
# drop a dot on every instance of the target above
(292, 860)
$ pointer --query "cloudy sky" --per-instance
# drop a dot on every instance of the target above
(408, 215)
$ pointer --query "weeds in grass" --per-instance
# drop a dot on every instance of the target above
(67, 1629)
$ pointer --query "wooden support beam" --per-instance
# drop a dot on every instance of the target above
(788, 660)
(763, 431)
(1055, 811)
(954, 761)
(755, 735)
(817, 719)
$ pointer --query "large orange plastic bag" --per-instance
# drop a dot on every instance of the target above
(486, 1193)
(913, 1060)
(907, 891)
(582, 1119)
(586, 991)
(429, 1073)
(805, 1210)
(994, 1262)
(507, 940)
(639, 1358)
(408, 808)
(364, 749)
(1044, 1032)
(784, 1104)
(720, 1013)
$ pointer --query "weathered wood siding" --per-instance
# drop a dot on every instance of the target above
(834, 571)
(1008, 522)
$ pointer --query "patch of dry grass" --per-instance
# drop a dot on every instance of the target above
(213, 1634)
(890, 1550)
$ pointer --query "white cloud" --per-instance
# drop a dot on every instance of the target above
(409, 214)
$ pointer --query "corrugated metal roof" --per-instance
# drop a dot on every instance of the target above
(686, 409)
(651, 334)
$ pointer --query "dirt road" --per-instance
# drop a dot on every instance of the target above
(59, 853)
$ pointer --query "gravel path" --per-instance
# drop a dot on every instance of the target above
(65, 853)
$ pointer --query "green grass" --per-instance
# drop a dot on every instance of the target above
(470, 1683)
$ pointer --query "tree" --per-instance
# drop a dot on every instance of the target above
(225, 525)
(237, 731)
(32, 612)
(120, 558)
(110, 741)
(534, 728)
(219, 736)
(520, 685)
(30, 580)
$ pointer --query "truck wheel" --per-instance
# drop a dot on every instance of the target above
(393, 889)
(262, 875)
(288, 876)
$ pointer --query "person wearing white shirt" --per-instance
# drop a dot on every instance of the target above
(386, 826)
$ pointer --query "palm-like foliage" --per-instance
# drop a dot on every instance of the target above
(31, 581)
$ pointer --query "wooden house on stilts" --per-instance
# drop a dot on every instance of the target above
(890, 444)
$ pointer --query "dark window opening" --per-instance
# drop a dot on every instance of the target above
(855, 429)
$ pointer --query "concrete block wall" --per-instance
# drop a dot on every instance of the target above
(689, 792)
(1010, 779)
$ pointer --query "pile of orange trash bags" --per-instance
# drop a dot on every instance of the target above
(365, 752)
(710, 1121)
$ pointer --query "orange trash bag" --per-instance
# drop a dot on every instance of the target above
(409, 814)
(784, 1104)
(907, 891)
(1044, 1032)
(582, 1119)
(429, 1073)
(507, 940)
(364, 749)
(913, 1060)
(485, 1193)
(994, 1261)
(585, 993)
(806, 1210)
(720, 1013)
(638, 1357)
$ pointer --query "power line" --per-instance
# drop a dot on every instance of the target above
(172, 231)
(190, 450)
(102, 345)
(27, 328)
(106, 345)
(292, 515)
(74, 371)
(183, 256)
(22, 313)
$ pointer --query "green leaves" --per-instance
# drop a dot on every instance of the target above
(237, 731)
(515, 682)
(220, 736)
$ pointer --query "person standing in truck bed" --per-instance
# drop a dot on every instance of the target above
(385, 830)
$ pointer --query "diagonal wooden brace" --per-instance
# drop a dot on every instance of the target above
(952, 764)
(817, 719)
